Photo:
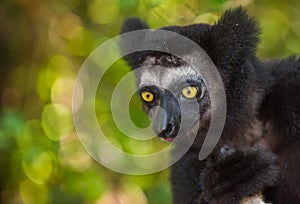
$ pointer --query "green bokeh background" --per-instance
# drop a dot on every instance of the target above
(42, 46)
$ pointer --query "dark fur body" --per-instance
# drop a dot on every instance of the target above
(262, 123)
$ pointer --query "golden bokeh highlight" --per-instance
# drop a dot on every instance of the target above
(32, 193)
(57, 121)
(39, 169)
(73, 155)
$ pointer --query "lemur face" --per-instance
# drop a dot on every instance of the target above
(169, 94)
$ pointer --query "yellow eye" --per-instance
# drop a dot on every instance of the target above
(189, 91)
(147, 96)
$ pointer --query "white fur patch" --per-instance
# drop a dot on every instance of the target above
(165, 77)
(257, 199)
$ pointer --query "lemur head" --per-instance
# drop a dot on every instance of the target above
(169, 82)
(174, 88)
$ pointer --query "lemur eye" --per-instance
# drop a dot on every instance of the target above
(147, 96)
(189, 92)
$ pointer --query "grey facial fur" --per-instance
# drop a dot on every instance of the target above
(167, 77)
(173, 79)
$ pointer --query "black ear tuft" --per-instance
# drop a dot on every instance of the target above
(234, 38)
(132, 41)
(132, 24)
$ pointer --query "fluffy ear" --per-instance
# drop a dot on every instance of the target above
(132, 41)
(234, 38)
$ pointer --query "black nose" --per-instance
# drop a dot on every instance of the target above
(164, 125)
(166, 117)
(168, 131)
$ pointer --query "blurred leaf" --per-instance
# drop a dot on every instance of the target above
(32, 193)
(276, 27)
(159, 195)
(150, 4)
(81, 41)
(39, 168)
(103, 11)
(89, 185)
(11, 123)
(127, 4)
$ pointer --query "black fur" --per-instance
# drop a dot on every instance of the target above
(262, 97)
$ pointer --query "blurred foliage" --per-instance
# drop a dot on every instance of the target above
(42, 46)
